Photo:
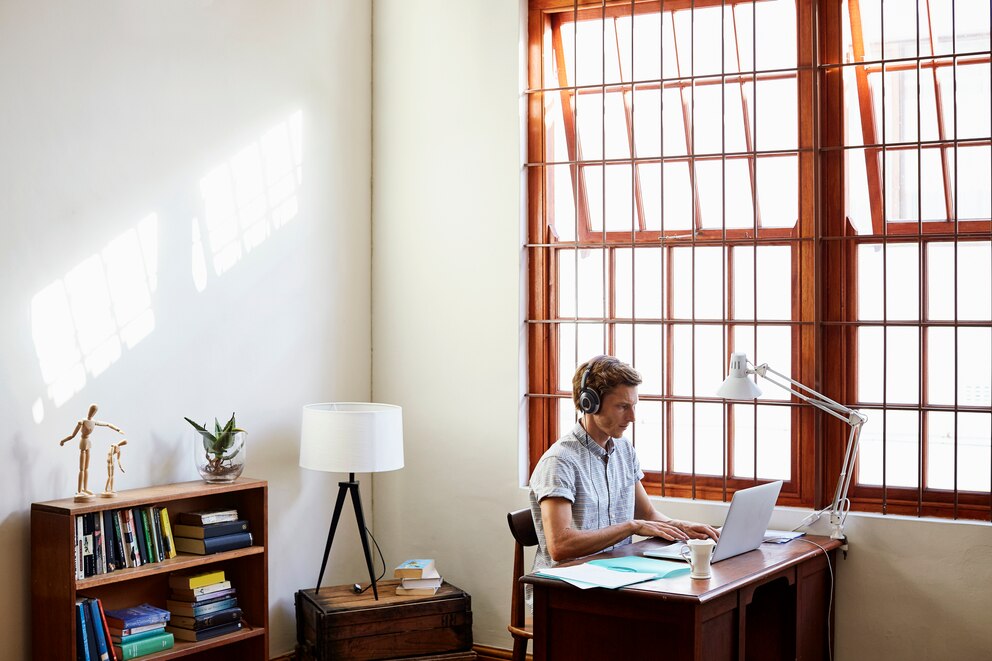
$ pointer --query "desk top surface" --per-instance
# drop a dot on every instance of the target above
(728, 575)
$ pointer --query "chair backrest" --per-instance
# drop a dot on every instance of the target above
(522, 527)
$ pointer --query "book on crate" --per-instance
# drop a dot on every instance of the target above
(211, 545)
(418, 577)
(138, 630)
(202, 605)
(204, 517)
(121, 538)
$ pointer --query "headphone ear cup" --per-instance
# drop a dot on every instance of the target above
(589, 401)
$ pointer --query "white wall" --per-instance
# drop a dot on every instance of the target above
(113, 111)
(447, 332)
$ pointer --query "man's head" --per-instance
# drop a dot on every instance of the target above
(605, 390)
(604, 374)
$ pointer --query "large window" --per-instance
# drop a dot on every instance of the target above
(708, 177)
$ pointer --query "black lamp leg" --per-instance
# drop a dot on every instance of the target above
(356, 499)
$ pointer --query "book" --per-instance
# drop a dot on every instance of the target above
(82, 634)
(120, 632)
(79, 547)
(98, 631)
(94, 651)
(203, 517)
(181, 594)
(170, 546)
(89, 559)
(162, 641)
(135, 637)
(214, 544)
(419, 583)
(154, 534)
(211, 529)
(136, 616)
(204, 634)
(420, 592)
(130, 555)
(110, 536)
(192, 609)
(193, 580)
(106, 631)
(99, 548)
(214, 619)
(418, 568)
(136, 535)
(148, 537)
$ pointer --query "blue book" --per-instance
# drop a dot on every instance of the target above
(103, 654)
(82, 635)
(136, 616)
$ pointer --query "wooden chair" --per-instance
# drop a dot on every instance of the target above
(521, 627)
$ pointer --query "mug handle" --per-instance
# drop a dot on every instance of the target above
(684, 552)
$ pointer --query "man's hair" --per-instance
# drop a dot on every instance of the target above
(605, 374)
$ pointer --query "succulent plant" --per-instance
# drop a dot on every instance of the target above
(219, 445)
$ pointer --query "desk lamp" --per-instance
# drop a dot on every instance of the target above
(737, 385)
(351, 438)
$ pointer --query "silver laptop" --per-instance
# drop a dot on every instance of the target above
(743, 531)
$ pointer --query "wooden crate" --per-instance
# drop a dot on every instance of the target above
(338, 624)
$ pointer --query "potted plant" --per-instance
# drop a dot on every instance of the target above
(220, 454)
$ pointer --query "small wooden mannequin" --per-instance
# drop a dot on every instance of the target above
(86, 427)
(115, 453)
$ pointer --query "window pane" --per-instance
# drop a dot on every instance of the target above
(774, 447)
(902, 365)
(739, 211)
(639, 284)
(681, 283)
(589, 125)
(646, 111)
(744, 268)
(902, 281)
(620, 215)
(708, 430)
(567, 356)
(974, 182)
(974, 452)
(710, 364)
(774, 347)
(901, 449)
(902, 184)
(940, 366)
(857, 202)
(675, 112)
(776, 34)
(580, 280)
(644, 355)
(567, 415)
(647, 434)
(562, 213)
(647, 42)
(973, 117)
(678, 197)
(940, 281)
(707, 116)
(870, 364)
(709, 179)
(709, 276)
(974, 366)
(707, 26)
(776, 114)
(900, 105)
(778, 190)
(974, 281)
(681, 360)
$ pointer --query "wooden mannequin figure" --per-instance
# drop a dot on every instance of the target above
(115, 453)
(85, 428)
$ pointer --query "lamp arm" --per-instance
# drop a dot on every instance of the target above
(818, 400)
(837, 517)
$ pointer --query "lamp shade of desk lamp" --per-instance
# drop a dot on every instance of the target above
(351, 437)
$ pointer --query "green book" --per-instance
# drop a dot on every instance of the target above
(150, 645)
(149, 536)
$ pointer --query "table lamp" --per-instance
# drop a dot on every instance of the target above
(737, 385)
(349, 437)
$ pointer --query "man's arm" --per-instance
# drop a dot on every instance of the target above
(565, 542)
(643, 509)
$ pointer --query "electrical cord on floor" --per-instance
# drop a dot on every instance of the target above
(830, 601)
(357, 587)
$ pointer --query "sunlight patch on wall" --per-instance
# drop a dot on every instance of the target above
(247, 197)
(82, 322)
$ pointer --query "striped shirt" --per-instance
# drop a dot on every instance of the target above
(598, 482)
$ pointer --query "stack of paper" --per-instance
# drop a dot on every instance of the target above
(614, 572)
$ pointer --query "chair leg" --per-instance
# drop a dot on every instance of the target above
(519, 649)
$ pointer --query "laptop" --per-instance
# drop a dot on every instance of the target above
(743, 531)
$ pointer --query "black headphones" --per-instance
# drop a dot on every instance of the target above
(589, 401)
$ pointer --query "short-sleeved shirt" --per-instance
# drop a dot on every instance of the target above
(599, 483)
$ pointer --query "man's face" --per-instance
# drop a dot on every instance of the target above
(617, 411)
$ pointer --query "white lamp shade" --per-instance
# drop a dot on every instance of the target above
(349, 437)
(737, 385)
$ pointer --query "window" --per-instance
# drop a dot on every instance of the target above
(684, 159)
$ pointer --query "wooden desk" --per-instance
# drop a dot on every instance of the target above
(771, 603)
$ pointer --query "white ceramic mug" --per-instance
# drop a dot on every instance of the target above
(698, 552)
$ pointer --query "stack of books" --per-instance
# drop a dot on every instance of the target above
(122, 538)
(210, 531)
(203, 605)
(417, 577)
(138, 630)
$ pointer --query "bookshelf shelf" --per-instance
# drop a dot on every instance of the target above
(54, 586)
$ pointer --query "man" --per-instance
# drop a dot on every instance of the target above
(586, 494)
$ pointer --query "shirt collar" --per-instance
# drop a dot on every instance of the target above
(587, 442)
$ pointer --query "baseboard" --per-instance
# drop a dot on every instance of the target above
(485, 653)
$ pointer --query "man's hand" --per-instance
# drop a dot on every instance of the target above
(664, 529)
(697, 530)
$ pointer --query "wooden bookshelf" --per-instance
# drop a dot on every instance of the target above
(54, 586)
